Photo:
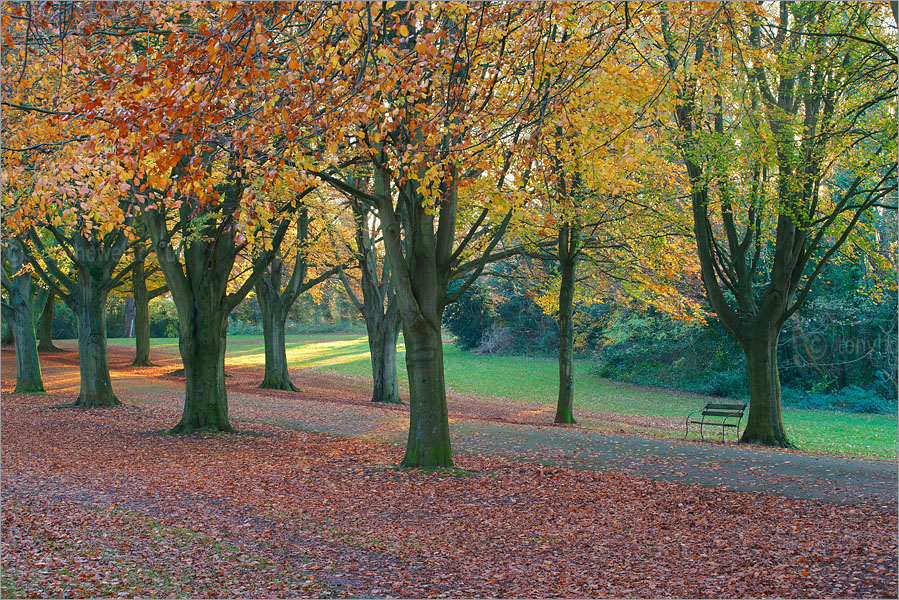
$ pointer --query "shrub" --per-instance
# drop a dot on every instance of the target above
(163, 318)
(851, 398)
(499, 339)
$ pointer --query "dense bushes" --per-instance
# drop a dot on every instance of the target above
(496, 315)
(848, 399)
(650, 348)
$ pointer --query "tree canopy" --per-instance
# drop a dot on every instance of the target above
(638, 146)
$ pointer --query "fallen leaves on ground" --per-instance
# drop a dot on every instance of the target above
(104, 503)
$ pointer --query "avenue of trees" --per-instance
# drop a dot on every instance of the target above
(702, 160)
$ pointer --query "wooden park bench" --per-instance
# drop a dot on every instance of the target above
(717, 414)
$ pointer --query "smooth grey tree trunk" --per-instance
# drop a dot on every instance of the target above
(202, 343)
(383, 335)
(46, 326)
(20, 318)
(428, 443)
(764, 424)
(28, 367)
(274, 323)
(90, 308)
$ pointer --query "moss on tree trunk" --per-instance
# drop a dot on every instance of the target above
(274, 322)
(28, 367)
(428, 444)
(202, 344)
(90, 308)
(20, 319)
(764, 423)
(568, 240)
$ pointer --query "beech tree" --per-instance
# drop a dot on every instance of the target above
(378, 305)
(95, 260)
(276, 297)
(586, 169)
(19, 312)
(181, 98)
(45, 337)
(785, 117)
(455, 103)
(606, 246)
(61, 183)
(198, 278)
(142, 295)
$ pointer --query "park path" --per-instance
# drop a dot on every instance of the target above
(489, 428)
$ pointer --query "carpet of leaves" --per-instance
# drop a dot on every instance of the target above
(105, 503)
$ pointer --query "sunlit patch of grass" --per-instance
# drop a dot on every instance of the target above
(302, 354)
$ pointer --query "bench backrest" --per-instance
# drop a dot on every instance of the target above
(716, 409)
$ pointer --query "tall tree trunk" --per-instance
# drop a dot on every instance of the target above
(95, 259)
(383, 333)
(46, 326)
(90, 308)
(142, 297)
(202, 345)
(141, 317)
(28, 367)
(274, 322)
(568, 263)
(379, 307)
(275, 303)
(429, 440)
(20, 319)
(142, 332)
(128, 326)
(764, 424)
(197, 277)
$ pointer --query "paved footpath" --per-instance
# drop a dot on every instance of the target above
(790, 474)
(722, 466)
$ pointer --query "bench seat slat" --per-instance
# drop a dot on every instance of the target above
(716, 424)
(714, 406)
(721, 413)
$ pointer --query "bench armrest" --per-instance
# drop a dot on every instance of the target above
(694, 413)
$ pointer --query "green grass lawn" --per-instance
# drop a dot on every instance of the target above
(536, 380)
